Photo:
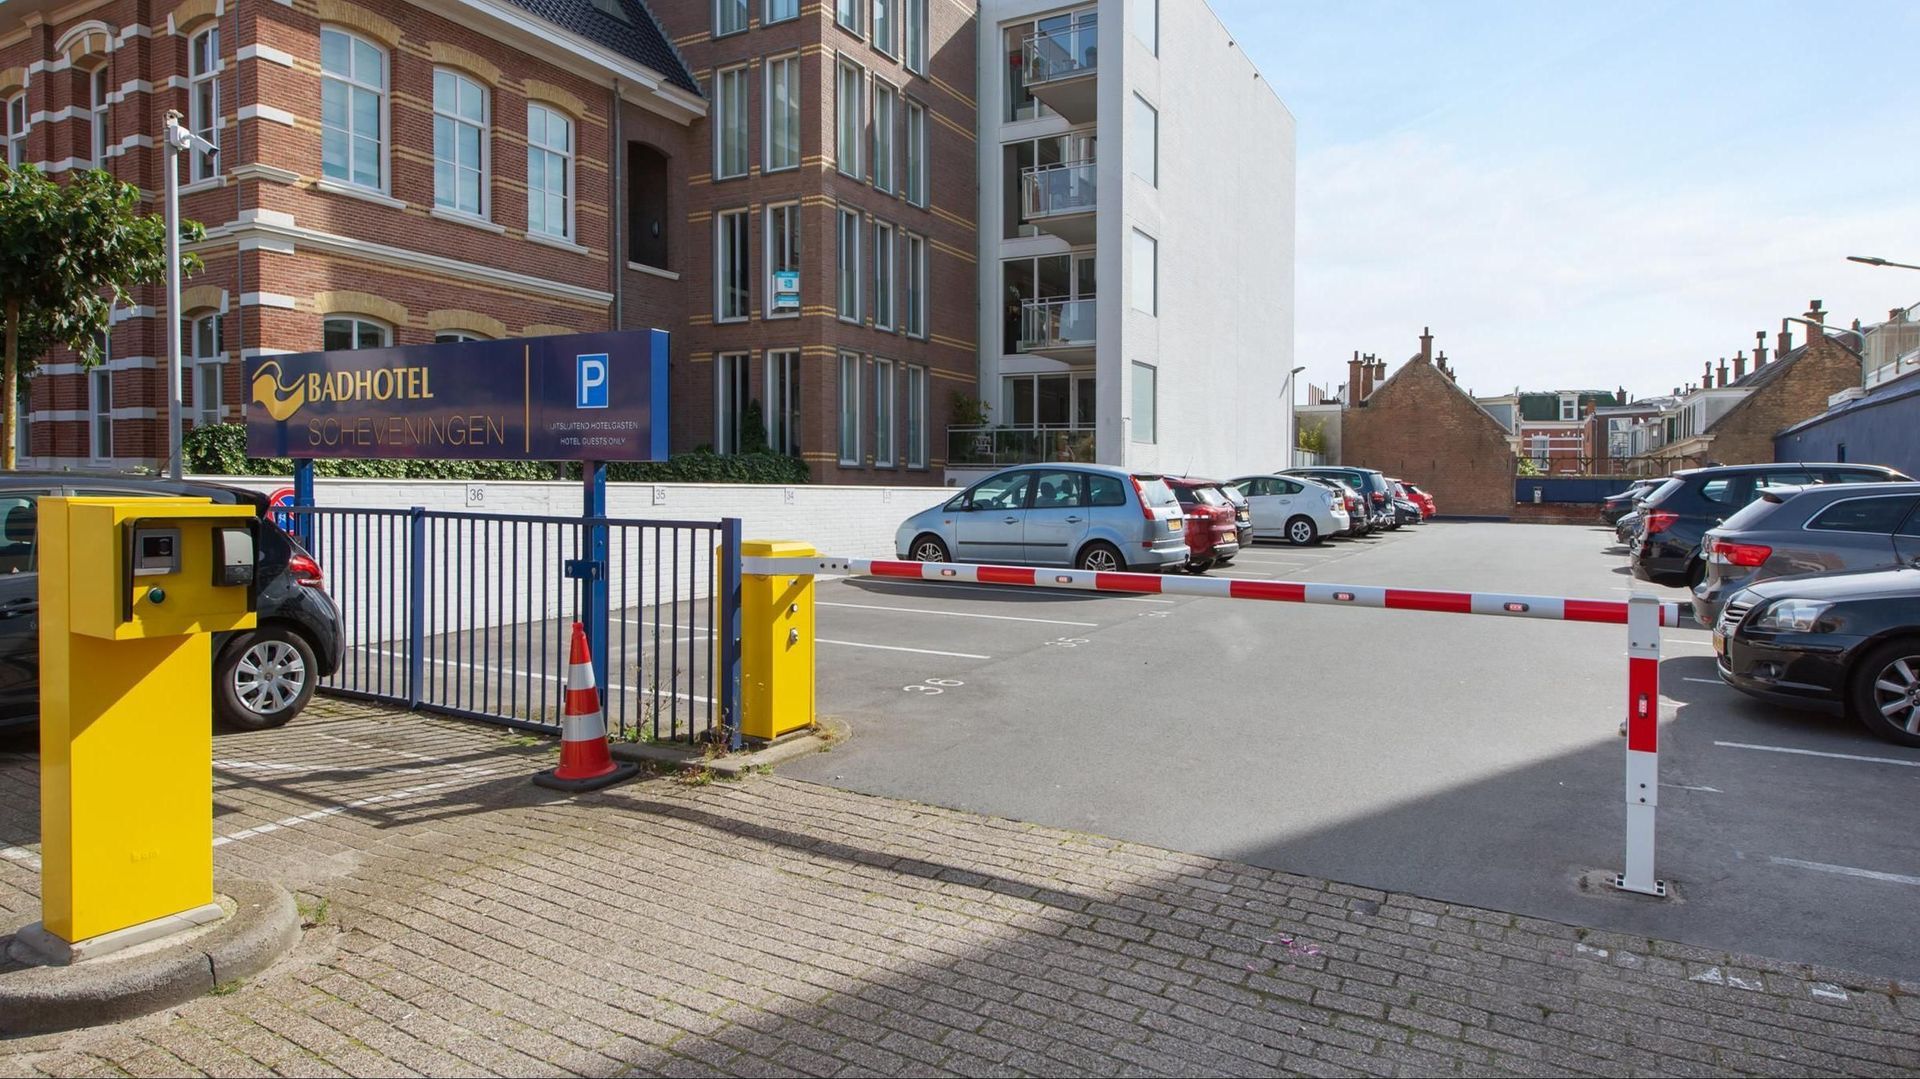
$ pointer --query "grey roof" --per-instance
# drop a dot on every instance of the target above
(633, 33)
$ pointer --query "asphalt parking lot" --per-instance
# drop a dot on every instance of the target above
(1466, 759)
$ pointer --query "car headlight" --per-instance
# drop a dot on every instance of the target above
(1790, 616)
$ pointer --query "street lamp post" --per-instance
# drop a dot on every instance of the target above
(177, 140)
(1874, 260)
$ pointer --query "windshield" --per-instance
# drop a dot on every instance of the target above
(1749, 515)
(1154, 491)
(1233, 495)
(1662, 491)
(1208, 496)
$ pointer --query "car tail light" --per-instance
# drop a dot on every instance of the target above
(1660, 520)
(1140, 494)
(304, 570)
(1740, 554)
(1378, 498)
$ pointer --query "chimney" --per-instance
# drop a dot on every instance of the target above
(1366, 376)
(1723, 372)
(1379, 372)
(1739, 366)
(1445, 367)
(1707, 378)
(1784, 343)
(1676, 391)
(1353, 379)
(1898, 314)
(1815, 314)
(1426, 343)
(1759, 349)
(1620, 395)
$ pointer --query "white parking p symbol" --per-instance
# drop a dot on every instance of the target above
(591, 386)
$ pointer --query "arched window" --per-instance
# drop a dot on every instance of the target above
(454, 337)
(549, 172)
(353, 108)
(647, 205)
(460, 149)
(97, 86)
(202, 367)
(16, 129)
(203, 99)
(343, 332)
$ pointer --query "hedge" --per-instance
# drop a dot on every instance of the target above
(221, 450)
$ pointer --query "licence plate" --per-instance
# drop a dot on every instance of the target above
(1173, 525)
(1719, 644)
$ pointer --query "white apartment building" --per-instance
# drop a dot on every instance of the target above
(1136, 243)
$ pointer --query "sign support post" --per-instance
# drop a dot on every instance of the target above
(593, 553)
(303, 497)
(1643, 745)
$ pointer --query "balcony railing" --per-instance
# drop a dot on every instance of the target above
(1052, 190)
(1057, 324)
(1066, 53)
(999, 446)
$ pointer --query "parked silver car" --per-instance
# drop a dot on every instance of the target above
(1089, 516)
(1294, 508)
(1822, 528)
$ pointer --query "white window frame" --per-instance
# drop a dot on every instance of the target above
(204, 66)
(731, 100)
(887, 40)
(1149, 155)
(356, 323)
(1569, 407)
(455, 337)
(884, 124)
(1152, 285)
(17, 127)
(1152, 424)
(353, 81)
(914, 262)
(97, 91)
(207, 362)
(732, 378)
(484, 169)
(789, 66)
(849, 128)
(849, 433)
(768, 16)
(565, 153)
(916, 416)
(744, 7)
(782, 243)
(100, 411)
(855, 9)
(886, 278)
(725, 250)
(916, 35)
(883, 448)
(781, 411)
(914, 175)
(847, 229)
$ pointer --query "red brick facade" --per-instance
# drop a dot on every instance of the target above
(1800, 392)
(1419, 425)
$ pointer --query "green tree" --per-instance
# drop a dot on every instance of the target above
(69, 252)
(1312, 437)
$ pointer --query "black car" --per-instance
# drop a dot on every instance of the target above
(1837, 642)
(1675, 518)
(1405, 513)
(1618, 506)
(261, 677)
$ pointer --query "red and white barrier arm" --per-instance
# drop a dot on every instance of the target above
(1557, 608)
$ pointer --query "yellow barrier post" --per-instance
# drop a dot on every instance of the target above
(776, 644)
(131, 591)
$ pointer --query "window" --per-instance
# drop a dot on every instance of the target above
(549, 172)
(883, 413)
(916, 178)
(883, 277)
(353, 105)
(783, 401)
(1105, 490)
(1008, 492)
(1143, 403)
(1047, 400)
(1876, 515)
(459, 144)
(916, 16)
(1057, 490)
(849, 255)
(847, 14)
(729, 16)
(100, 415)
(203, 100)
(23, 430)
(1537, 449)
(19, 518)
(783, 260)
(97, 114)
(1146, 24)
(1146, 273)
(782, 10)
(849, 408)
(916, 416)
(1569, 407)
(1051, 295)
(849, 81)
(916, 279)
(454, 337)
(204, 363)
(730, 262)
(885, 117)
(1143, 138)
(730, 123)
(886, 26)
(16, 130)
(1719, 490)
(783, 113)
(647, 205)
(730, 411)
(350, 332)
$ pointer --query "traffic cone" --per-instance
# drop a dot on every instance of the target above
(585, 762)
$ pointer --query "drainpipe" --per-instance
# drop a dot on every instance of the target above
(617, 258)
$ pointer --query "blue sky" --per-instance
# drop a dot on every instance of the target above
(1590, 195)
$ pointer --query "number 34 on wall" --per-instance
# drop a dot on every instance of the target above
(932, 686)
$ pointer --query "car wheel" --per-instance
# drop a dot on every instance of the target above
(1301, 532)
(1199, 566)
(928, 548)
(1885, 691)
(1696, 572)
(1101, 558)
(263, 679)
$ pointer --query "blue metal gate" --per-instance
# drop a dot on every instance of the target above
(471, 614)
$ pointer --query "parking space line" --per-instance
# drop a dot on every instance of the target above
(959, 614)
(1703, 681)
(1847, 871)
(900, 648)
(1819, 753)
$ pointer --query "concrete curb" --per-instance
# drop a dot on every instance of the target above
(787, 747)
(263, 926)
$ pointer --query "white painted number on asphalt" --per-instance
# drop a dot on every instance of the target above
(933, 685)
(1069, 642)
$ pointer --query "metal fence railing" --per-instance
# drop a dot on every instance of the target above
(471, 614)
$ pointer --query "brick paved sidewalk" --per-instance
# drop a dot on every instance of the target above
(473, 923)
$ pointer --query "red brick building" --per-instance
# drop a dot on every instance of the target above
(1418, 424)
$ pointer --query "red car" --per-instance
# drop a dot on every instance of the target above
(1416, 496)
(1212, 532)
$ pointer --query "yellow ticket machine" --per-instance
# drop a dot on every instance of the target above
(131, 591)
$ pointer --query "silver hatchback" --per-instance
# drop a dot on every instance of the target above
(1090, 516)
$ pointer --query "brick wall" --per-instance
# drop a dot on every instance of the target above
(1745, 434)
(1420, 426)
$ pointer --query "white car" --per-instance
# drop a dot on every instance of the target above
(1293, 508)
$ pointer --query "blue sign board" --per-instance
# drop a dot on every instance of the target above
(584, 397)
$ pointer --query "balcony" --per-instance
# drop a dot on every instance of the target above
(1061, 66)
(997, 447)
(1062, 328)
(1059, 199)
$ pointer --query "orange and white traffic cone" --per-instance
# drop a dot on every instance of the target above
(585, 762)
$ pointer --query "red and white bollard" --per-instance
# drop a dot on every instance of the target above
(1643, 745)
